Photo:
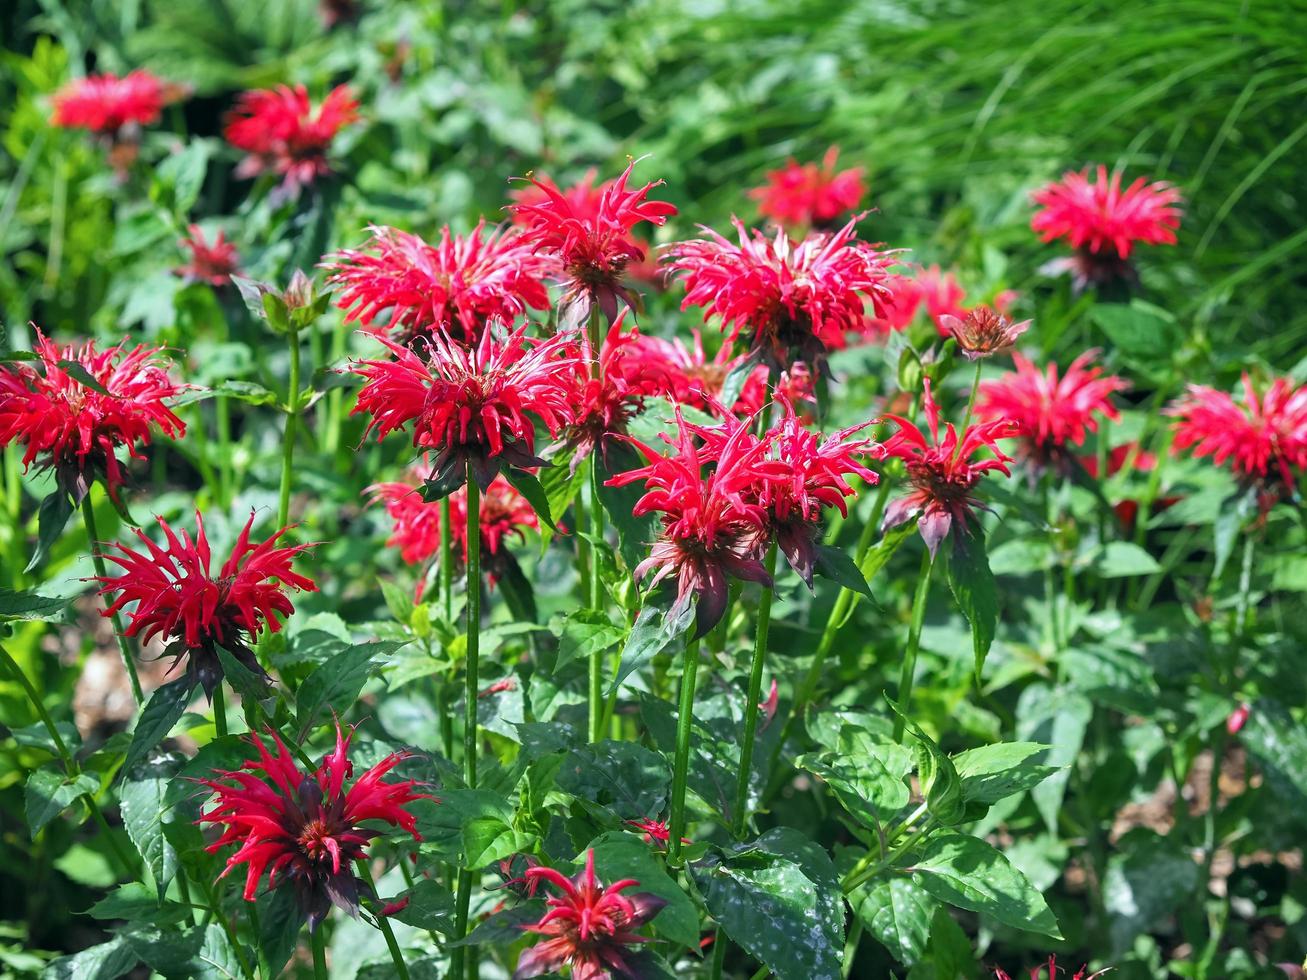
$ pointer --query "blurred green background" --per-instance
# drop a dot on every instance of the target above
(956, 109)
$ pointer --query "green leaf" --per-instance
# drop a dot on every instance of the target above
(898, 912)
(738, 377)
(37, 736)
(141, 798)
(430, 907)
(1122, 559)
(249, 685)
(625, 777)
(972, 584)
(951, 953)
(1148, 879)
(1057, 717)
(31, 606)
(994, 772)
(1230, 520)
(634, 534)
(441, 825)
(160, 713)
(504, 928)
(1139, 330)
(939, 779)
(50, 792)
(583, 632)
(966, 872)
(490, 839)
(619, 856)
(884, 550)
(337, 681)
(866, 774)
(655, 627)
(560, 483)
(1279, 745)
(136, 903)
(529, 487)
(103, 962)
(779, 899)
(836, 565)
(51, 517)
(78, 373)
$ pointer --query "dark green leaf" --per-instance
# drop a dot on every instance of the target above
(53, 515)
(1150, 878)
(32, 606)
(77, 371)
(37, 736)
(966, 872)
(836, 565)
(160, 713)
(738, 377)
(634, 534)
(972, 584)
(504, 928)
(50, 791)
(488, 839)
(655, 627)
(583, 632)
(335, 682)
(865, 772)
(625, 777)
(529, 487)
(134, 902)
(950, 953)
(430, 906)
(104, 962)
(249, 685)
(898, 912)
(141, 798)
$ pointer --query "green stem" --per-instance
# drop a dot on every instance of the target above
(383, 923)
(292, 420)
(851, 947)
(681, 765)
(596, 665)
(718, 955)
(751, 710)
(971, 403)
(446, 561)
(318, 938)
(236, 947)
(226, 469)
(462, 957)
(907, 674)
(219, 710)
(93, 539)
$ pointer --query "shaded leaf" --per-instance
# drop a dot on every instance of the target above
(160, 713)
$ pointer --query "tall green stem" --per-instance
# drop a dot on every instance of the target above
(292, 420)
(396, 955)
(219, 710)
(740, 817)
(596, 583)
(226, 470)
(681, 764)
(971, 404)
(318, 938)
(93, 539)
(914, 640)
(446, 561)
(462, 957)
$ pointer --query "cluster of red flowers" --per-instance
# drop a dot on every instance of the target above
(106, 104)
(942, 472)
(281, 133)
(1053, 970)
(1103, 222)
(808, 195)
(214, 263)
(938, 291)
(307, 828)
(458, 287)
(178, 599)
(74, 405)
(589, 926)
(794, 301)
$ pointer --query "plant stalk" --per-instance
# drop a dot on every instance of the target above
(740, 817)
(908, 673)
(93, 539)
(318, 938)
(681, 765)
(383, 923)
(219, 710)
(292, 421)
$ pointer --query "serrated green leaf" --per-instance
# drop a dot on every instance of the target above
(973, 587)
(655, 627)
(898, 912)
(32, 606)
(141, 799)
(529, 487)
(337, 681)
(625, 777)
(994, 772)
(836, 565)
(160, 713)
(939, 779)
(50, 792)
(51, 518)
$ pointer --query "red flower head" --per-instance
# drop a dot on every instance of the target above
(512, 872)
(456, 287)
(983, 332)
(46, 407)
(1053, 412)
(1053, 970)
(504, 513)
(898, 306)
(213, 264)
(307, 827)
(942, 294)
(473, 405)
(710, 530)
(805, 195)
(105, 104)
(796, 301)
(1264, 438)
(282, 134)
(942, 472)
(1103, 222)
(178, 599)
(589, 927)
(590, 240)
(606, 402)
(807, 472)
(692, 379)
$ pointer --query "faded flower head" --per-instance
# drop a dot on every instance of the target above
(589, 927)
(178, 598)
(457, 286)
(283, 134)
(1264, 438)
(793, 300)
(213, 263)
(306, 829)
(983, 332)
(473, 405)
(106, 104)
(590, 239)
(942, 471)
(1053, 412)
(801, 195)
(47, 406)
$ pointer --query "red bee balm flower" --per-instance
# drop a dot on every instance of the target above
(710, 529)
(77, 428)
(1053, 412)
(178, 598)
(592, 243)
(799, 195)
(590, 927)
(456, 286)
(795, 300)
(106, 103)
(473, 405)
(1263, 438)
(1053, 970)
(281, 133)
(306, 827)
(692, 379)
(213, 264)
(942, 472)
(1103, 222)
(504, 513)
